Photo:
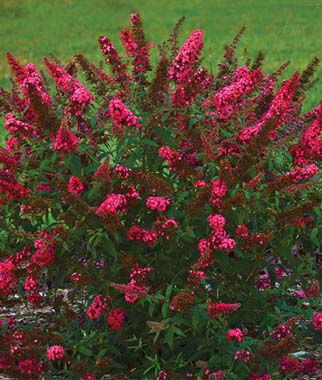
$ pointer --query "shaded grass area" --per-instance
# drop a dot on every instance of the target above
(284, 30)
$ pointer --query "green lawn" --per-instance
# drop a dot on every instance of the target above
(284, 29)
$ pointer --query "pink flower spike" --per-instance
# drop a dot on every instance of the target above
(55, 352)
(65, 140)
(75, 186)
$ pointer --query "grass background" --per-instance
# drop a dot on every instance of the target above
(283, 29)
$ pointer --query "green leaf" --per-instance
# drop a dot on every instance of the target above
(169, 337)
(165, 135)
(193, 121)
(91, 169)
(102, 353)
(317, 213)
(179, 332)
(85, 350)
(169, 291)
(164, 309)
(75, 166)
(156, 337)
(147, 141)
(94, 122)
(164, 117)
(45, 165)
(314, 235)
(110, 247)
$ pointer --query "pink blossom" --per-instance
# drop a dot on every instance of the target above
(219, 240)
(263, 281)
(235, 334)
(229, 149)
(288, 365)
(4, 362)
(75, 186)
(6, 266)
(282, 331)
(76, 277)
(317, 321)
(132, 193)
(30, 284)
(171, 156)
(280, 272)
(226, 100)
(8, 160)
(217, 202)
(218, 309)
(14, 125)
(167, 227)
(128, 42)
(135, 46)
(309, 366)
(218, 188)
(264, 376)
(132, 291)
(184, 63)
(30, 367)
(150, 237)
(139, 275)
(138, 233)
(13, 144)
(247, 134)
(34, 80)
(300, 294)
(122, 116)
(27, 77)
(113, 58)
(98, 306)
(196, 276)
(278, 110)
(122, 171)
(299, 174)
(65, 140)
(35, 298)
(135, 233)
(78, 94)
(8, 282)
(200, 183)
(310, 145)
(88, 376)
(10, 189)
(227, 244)
(301, 221)
(43, 187)
(162, 375)
(254, 181)
(217, 221)
(283, 99)
(55, 352)
(157, 203)
(112, 204)
(116, 319)
(45, 250)
(203, 245)
(242, 230)
(243, 355)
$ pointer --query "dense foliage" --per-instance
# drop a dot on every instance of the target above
(160, 223)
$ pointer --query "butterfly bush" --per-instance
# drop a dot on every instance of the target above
(162, 223)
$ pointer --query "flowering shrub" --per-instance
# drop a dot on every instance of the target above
(159, 224)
